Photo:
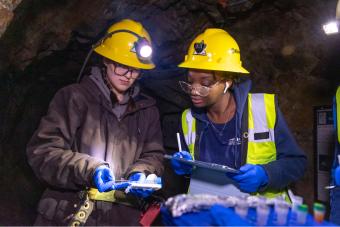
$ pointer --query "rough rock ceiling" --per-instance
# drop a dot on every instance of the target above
(41, 27)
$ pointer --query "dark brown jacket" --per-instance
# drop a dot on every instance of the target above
(81, 132)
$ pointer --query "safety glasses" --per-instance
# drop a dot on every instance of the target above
(123, 70)
(200, 90)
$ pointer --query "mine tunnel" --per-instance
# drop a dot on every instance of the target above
(283, 49)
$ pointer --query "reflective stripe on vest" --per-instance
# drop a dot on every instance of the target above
(189, 130)
(338, 112)
(261, 140)
(261, 123)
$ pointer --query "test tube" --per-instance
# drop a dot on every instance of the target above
(278, 200)
(262, 214)
(298, 200)
(241, 207)
(319, 212)
(281, 210)
(301, 214)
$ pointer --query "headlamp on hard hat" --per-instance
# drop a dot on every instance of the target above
(143, 49)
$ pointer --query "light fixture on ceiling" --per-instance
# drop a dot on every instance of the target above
(332, 27)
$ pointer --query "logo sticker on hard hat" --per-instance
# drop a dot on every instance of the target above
(200, 48)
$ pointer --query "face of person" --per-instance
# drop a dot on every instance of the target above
(121, 77)
(206, 87)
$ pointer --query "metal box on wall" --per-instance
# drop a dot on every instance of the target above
(324, 149)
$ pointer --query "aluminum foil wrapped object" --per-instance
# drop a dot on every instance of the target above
(185, 203)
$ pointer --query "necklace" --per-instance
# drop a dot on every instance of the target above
(220, 132)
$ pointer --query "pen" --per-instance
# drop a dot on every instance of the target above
(179, 142)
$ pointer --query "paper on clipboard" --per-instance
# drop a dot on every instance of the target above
(210, 181)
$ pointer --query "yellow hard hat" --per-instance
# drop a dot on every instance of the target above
(128, 43)
(216, 50)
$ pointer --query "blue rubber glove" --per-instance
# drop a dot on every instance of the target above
(251, 178)
(337, 176)
(103, 179)
(141, 178)
(181, 168)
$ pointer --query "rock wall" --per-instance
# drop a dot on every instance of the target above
(6, 13)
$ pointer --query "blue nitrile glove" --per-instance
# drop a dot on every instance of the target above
(224, 216)
(103, 178)
(337, 176)
(251, 178)
(181, 168)
(140, 178)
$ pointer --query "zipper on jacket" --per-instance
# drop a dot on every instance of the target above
(199, 141)
(244, 134)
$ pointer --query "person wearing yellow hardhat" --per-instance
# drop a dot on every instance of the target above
(230, 126)
(99, 148)
(335, 173)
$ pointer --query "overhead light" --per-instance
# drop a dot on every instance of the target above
(331, 28)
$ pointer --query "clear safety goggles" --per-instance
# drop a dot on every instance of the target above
(200, 90)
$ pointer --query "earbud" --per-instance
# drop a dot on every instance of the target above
(226, 87)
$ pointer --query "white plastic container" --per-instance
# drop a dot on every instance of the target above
(241, 208)
(281, 210)
(262, 214)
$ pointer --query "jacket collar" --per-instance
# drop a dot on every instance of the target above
(97, 77)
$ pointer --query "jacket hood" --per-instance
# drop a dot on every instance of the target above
(97, 78)
(95, 85)
(240, 91)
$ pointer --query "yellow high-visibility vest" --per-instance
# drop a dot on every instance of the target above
(261, 139)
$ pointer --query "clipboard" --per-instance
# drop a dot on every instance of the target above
(207, 165)
(211, 178)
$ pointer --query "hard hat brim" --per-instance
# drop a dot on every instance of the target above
(212, 66)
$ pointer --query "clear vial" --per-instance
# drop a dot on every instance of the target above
(262, 214)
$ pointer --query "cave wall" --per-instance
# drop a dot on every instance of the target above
(44, 43)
